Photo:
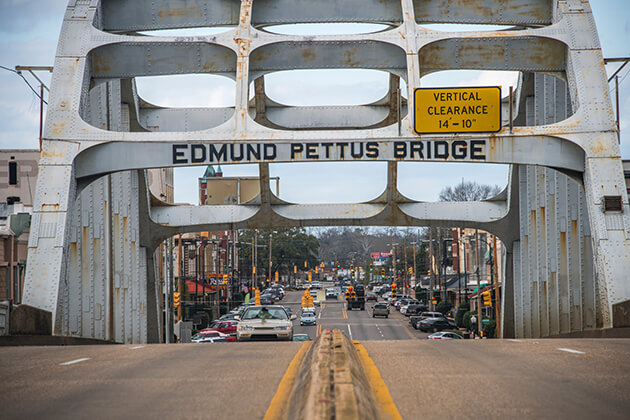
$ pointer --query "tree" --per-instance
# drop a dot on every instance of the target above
(469, 191)
(289, 247)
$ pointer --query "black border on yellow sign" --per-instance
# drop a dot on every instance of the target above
(454, 87)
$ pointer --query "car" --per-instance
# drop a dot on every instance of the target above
(227, 317)
(301, 337)
(225, 326)
(308, 318)
(445, 335)
(415, 309)
(371, 296)
(380, 309)
(313, 292)
(309, 309)
(209, 337)
(289, 310)
(433, 324)
(331, 293)
(267, 299)
(265, 322)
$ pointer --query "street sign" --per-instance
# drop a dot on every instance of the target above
(457, 110)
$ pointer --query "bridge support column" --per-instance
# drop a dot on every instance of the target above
(610, 232)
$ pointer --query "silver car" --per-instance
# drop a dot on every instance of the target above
(308, 318)
(265, 322)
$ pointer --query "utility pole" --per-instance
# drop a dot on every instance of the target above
(179, 282)
(478, 283)
(497, 301)
(431, 274)
(406, 272)
(270, 262)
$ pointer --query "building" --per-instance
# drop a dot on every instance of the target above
(18, 177)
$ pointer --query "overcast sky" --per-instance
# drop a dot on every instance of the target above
(29, 30)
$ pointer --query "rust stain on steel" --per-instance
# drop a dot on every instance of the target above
(308, 55)
(179, 12)
(50, 207)
(100, 64)
(58, 128)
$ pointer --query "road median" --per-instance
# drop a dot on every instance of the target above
(336, 379)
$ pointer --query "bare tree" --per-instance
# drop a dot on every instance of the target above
(469, 191)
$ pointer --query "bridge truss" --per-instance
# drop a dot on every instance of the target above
(563, 217)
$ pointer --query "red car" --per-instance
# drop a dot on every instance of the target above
(226, 327)
(213, 334)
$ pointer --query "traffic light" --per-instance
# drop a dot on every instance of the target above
(352, 274)
(176, 299)
(394, 289)
(410, 270)
(257, 297)
(277, 277)
(428, 273)
(382, 272)
(305, 264)
(310, 277)
(316, 270)
(434, 301)
(487, 298)
(295, 269)
(371, 266)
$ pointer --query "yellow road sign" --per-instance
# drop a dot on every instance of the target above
(457, 110)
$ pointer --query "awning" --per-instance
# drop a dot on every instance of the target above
(195, 287)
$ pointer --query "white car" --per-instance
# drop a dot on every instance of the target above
(209, 337)
(265, 322)
(444, 335)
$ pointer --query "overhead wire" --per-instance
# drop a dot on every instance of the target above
(19, 73)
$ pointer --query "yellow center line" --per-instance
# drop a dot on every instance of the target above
(280, 400)
(380, 391)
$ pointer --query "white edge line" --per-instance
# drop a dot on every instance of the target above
(514, 340)
(350, 331)
(135, 348)
(571, 350)
(74, 361)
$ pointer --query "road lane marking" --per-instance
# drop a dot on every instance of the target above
(514, 340)
(72, 362)
(350, 331)
(280, 401)
(571, 350)
(318, 330)
(135, 348)
(380, 391)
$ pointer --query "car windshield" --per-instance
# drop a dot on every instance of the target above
(308, 314)
(265, 313)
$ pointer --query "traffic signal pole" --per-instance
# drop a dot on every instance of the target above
(478, 283)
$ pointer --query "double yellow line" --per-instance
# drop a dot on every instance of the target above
(319, 330)
(344, 313)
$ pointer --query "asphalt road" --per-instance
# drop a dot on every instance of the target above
(356, 324)
(209, 381)
(429, 379)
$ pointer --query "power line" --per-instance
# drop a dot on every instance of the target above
(19, 73)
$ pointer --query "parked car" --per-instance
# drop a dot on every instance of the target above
(210, 337)
(380, 309)
(308, 318)
(267, 299)
(225, 326)
(371, 296)
(227, 317)
(415, 309)
(445, 335)
(265, 322)
(433, 324)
